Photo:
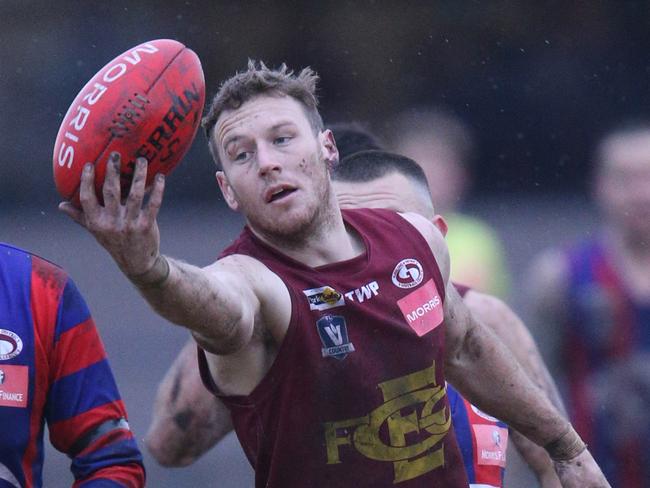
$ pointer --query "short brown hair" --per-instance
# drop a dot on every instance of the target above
(257, 80)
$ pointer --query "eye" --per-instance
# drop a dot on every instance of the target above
(281, 141)
(242, 156)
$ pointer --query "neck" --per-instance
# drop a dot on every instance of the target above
(324, 240)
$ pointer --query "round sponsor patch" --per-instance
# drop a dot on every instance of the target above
(10, 345)
(484, 415)
(408, 273)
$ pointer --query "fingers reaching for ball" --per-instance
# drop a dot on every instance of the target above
(130, 208)
(111, 190)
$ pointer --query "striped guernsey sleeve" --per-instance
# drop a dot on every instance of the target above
(85, 414)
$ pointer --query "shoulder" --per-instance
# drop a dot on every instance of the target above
(434, 239)
(44, 275)
(487, 305)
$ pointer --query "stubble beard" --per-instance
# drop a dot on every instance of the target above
(297, 231)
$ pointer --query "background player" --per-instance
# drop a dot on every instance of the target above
(265, 130)
(597, 294)
(54, 370)
(444, 146)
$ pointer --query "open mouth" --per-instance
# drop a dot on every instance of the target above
(279, 195)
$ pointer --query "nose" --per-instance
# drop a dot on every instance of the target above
(267, 160)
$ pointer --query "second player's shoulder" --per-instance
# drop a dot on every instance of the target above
(434, 238)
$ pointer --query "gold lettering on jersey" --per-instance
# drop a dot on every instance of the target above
(409, 408)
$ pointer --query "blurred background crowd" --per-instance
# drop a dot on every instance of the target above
(508, 105)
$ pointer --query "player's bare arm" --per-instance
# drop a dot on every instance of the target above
(507, 392)
(218, 303)
(507, 325)
(510, 329)
(187, 419)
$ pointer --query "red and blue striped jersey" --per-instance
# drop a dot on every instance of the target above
(483, 441)
(606, 349)
(53, 368)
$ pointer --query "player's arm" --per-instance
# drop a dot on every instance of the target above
(85, 414)
(217, 303)
(482, 369)
(507, 325)
(187, 419)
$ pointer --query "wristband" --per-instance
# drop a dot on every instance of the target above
(155, 276)
(566, 447)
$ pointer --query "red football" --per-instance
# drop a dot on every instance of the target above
(147, 102)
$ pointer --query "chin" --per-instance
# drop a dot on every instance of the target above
(292, 228)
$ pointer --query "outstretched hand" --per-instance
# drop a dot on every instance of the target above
(126, 229)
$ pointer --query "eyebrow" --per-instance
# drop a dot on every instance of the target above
(279, 125)
(233, 139)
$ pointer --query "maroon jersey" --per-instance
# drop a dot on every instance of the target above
(356, 395)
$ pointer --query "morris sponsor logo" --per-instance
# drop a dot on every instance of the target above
(93, 94)
(423, 309)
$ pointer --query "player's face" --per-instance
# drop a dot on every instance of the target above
(624, 183)
(392, 191)
(275, 169)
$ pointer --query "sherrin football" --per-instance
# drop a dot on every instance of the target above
(147, 102)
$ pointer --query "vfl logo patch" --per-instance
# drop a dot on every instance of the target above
(13, 386)
(10, 345)
(323, 298)
(333, 334)
(408, 273)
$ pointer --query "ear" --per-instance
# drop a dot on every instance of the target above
(440, 222)
(328, 147)
(227, 191)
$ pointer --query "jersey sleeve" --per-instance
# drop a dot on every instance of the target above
(86, 417)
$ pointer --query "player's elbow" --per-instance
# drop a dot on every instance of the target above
(464, 351)
(230, 338)
(164, 452)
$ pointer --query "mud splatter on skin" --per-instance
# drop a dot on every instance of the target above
(184, 418)
(473, 345)
(177, 387)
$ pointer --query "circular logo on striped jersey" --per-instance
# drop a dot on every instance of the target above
(10, 345)
(484, 415)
